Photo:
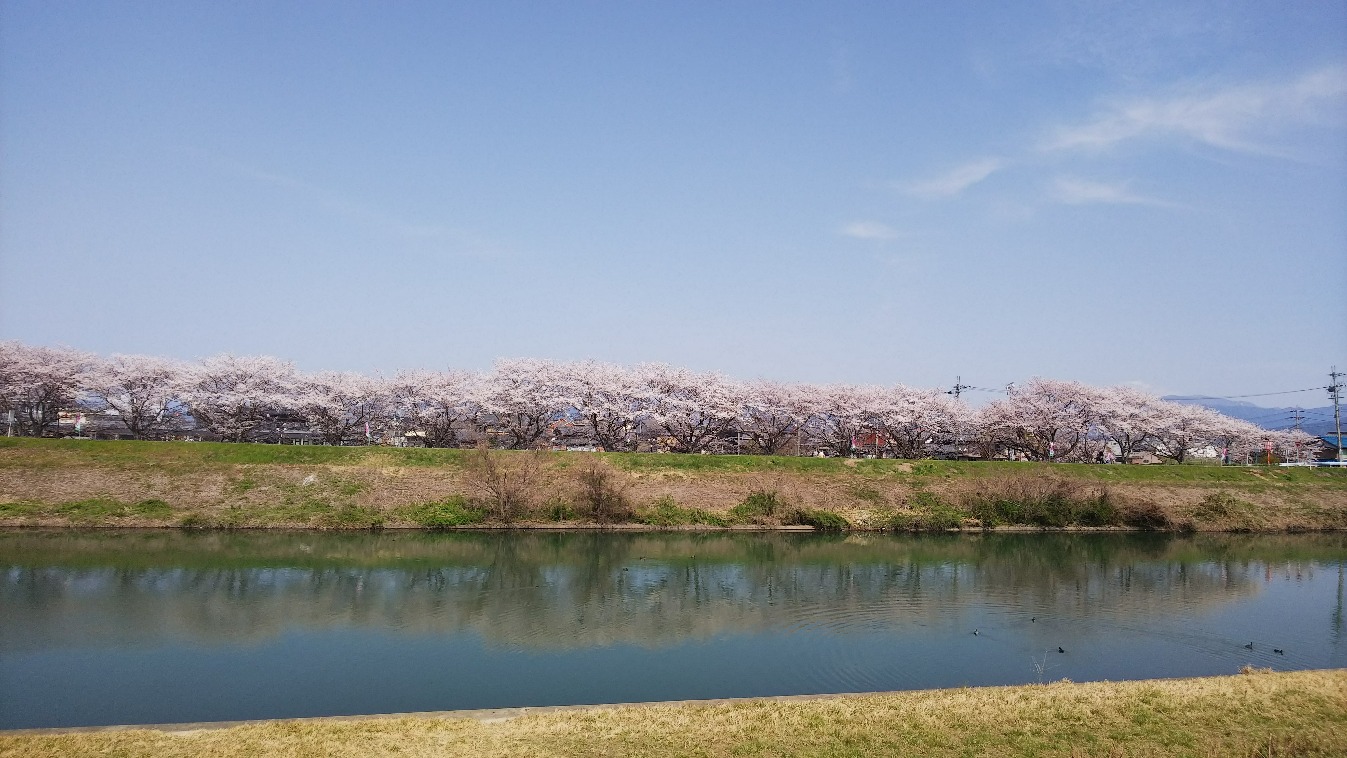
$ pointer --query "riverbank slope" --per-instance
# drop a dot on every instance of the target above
(104, 483)
(1256, 713)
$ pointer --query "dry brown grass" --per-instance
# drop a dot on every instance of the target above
(1258, 714)
(203, 489)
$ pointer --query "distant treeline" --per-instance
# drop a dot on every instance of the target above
(528, 403)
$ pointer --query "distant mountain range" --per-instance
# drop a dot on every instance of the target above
(1317, 421)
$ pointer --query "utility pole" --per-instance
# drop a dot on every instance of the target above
(1335, 392)
(1297, 416)
(959, 387)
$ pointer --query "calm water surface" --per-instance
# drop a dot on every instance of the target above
(164, 626)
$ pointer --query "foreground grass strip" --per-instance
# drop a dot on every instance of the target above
(1256, 714)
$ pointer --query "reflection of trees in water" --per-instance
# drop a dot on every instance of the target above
(563, 590)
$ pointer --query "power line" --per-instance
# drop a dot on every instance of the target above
(1002, 390)
(1256, 394)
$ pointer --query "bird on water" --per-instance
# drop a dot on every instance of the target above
(1249, 646)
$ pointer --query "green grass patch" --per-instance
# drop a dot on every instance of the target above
(183, 456)
(666, 512)
(1041, 501)
(926, 513)
(691, 463)
(823, 521)
(760, 506)
(443, 514)
(20, 509)
(100, 509)
(352, 517)
(120, 453)
(769, 509)
(242, 486)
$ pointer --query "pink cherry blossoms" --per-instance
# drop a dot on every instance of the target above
(527, 403)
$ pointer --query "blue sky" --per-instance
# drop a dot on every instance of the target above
(1110, 192)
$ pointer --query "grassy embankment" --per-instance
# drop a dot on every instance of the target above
(1253, 714)
(72, 482)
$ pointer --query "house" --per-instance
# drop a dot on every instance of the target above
(1328, 447)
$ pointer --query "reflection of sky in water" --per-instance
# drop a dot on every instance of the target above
(485, 623)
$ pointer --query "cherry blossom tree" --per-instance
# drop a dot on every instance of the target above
(1046, 419)
(237, 397)
(1180, 429)
(1297, 446)
(692, 410)
(439, 405)
(37, 383)
(1236, 439)
(843, 413)
(774, 415)
(1127, 416)
(909, 418)
(523, 398)
(143, 391)
(611, 400)
(345, 407)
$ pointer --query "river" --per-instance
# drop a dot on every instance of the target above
(156, 626)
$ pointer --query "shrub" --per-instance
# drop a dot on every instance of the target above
(1228, 511)
(934, 515)
(1144, 514)
(761, 506)
(602, 493)
(557, 510)
(824, 521)
(1218, 505)
(504, 484)
(444, 514)
(667, 512)
(1040, 501)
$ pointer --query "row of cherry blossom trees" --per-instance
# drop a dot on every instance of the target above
(525, 403)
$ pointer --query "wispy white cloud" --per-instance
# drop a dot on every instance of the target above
(1245, 118)
(868, 230)
(957, 180)
(1074, 191)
